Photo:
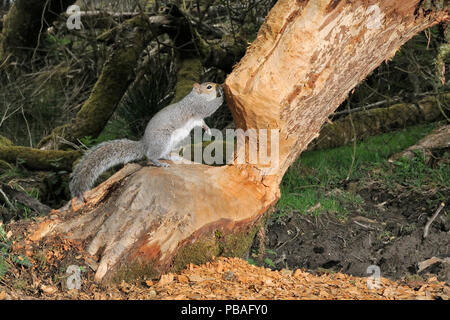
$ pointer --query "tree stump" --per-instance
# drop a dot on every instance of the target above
(307, 56)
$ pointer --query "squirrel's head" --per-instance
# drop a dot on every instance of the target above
(208, 90)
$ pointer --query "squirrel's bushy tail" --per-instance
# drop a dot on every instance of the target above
(101, 158)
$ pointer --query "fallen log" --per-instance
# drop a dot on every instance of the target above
(116, 76)
(363, 124)
(35, 159)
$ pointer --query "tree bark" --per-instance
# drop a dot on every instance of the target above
(307, 57)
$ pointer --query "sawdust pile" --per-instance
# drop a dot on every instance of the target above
(233, 278)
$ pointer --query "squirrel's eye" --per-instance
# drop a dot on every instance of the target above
(209, 87)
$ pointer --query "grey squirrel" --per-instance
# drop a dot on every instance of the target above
(163, 132)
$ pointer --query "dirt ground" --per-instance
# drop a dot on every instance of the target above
(389, 235)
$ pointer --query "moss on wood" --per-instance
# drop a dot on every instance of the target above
(219, 243)
(198, 252)
(189, 72)
(133, 272)
(5, 141)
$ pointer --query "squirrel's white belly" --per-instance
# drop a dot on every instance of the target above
(181, 133)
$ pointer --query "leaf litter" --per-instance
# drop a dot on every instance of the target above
(236, 279)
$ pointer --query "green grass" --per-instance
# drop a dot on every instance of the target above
(318, 176)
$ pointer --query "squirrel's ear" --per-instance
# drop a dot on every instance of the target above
(197, 88)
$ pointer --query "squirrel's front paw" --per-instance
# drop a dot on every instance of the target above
(206, 128)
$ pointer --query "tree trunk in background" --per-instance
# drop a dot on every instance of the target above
(25, 22)
(306, 58)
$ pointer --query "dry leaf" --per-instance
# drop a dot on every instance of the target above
(149, 283)
(165, 279)
(48, 289)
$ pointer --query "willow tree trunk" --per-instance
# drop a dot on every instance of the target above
(307, 57)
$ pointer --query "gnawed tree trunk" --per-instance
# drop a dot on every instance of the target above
(306, 58)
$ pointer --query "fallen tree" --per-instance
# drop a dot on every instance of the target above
(307, 57)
